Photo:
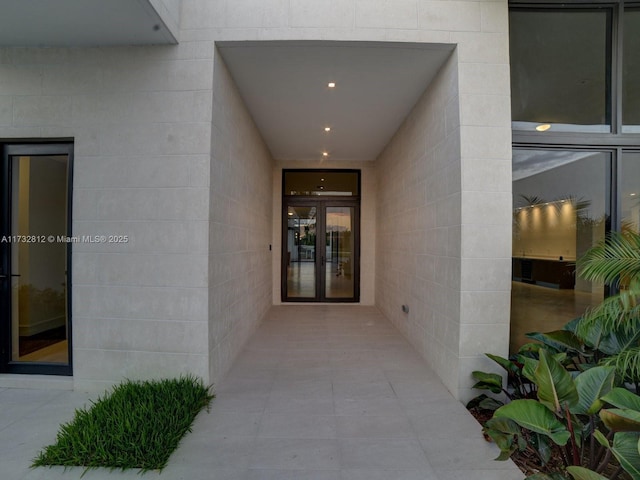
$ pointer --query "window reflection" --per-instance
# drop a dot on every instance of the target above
(559, 69)
(561, 209)
(631, 72)
(630, 193)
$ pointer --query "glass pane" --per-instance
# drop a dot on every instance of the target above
(301, 252)
(631, 72)
(38, 260)
(560, 73)
(561, 209)
(323, 183)
(339, 252)
(630, 193)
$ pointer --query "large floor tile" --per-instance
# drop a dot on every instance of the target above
(383, 453)
(296, 454)
(302, 426)
(326, 392)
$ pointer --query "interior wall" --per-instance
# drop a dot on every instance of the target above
(545, 231)
(240, 227)
(367, 224)
(418, 218)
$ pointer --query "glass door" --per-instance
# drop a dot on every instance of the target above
(339, 279)
(301, 271)
(320, 255)
(320, 235)
(34, 264)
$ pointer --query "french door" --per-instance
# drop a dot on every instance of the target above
(320, 250)
(35, 226)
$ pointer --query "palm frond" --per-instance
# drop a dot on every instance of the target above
(614, 259)
(619, 313)
(627, 364)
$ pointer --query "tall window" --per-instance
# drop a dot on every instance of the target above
(631, 71)
(575, 71)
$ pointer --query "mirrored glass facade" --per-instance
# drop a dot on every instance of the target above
(575, 71)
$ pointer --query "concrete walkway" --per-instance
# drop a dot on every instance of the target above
(320, 393)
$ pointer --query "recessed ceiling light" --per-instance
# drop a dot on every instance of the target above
(632, 194)
(325, 154)
(322, 179)
(331, 84)
(327, 129)
(543, 127)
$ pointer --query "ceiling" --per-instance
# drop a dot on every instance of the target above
(284, 85)
(84, 23)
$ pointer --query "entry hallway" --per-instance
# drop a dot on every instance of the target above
(329, 392)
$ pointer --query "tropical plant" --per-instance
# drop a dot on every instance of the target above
(613, 327)
(563, 414)
(565, 390)
(517, 384)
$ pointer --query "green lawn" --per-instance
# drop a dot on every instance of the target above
(136, 425)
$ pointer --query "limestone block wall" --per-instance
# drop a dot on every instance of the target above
(140, 120)
(418, 249)
(240, 225)
(159, 158)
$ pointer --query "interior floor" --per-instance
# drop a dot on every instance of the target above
(542, 309)
(55, 353)
(301, 280)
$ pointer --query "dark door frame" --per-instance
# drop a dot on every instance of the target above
(7, 365)
(321, 203)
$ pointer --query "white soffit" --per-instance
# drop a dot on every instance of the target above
(284, 85)
(87, 23)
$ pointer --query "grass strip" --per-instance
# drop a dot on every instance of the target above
(137, 425)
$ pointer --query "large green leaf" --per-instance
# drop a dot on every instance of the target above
(617, 342)
(561, 340)
(530, 348)
(503, 424)
(625, 449)
(592, 385)
(556, 388)
(600, 438)
(590, 334)
(623, 398)
(502, 431)
(534, 416)
(529, 368)
(546, 476)
(487, 381)
(490, 404)
(581, 473)
(621, 420)
(505, 363)
(542, 445)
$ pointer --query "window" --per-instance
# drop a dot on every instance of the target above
(631, 72)
(560, 69)
(561, 209)
(630, 191)
(575, 71)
